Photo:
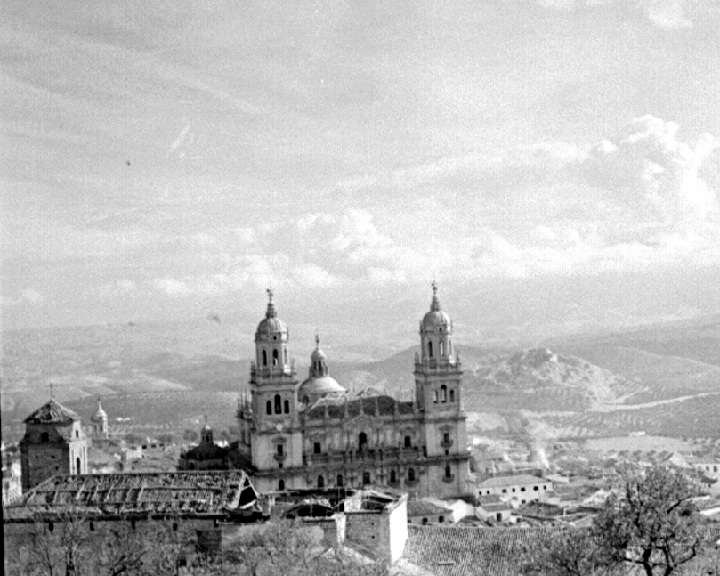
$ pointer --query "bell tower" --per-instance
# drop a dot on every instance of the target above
(438, 372)
(439, 399)
(275, 433)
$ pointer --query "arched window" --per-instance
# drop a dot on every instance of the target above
(278, 404)
(362, 441)
(44, 437)
(408, 442)
(269, 407)
(435, 396)
(321, 481)
(276, 357)
(424, 520)
(264, 358)
(366, 478)
(411, 474)
(441, 519)
(281, 484)
(393, 477)
(286, 405)
(443, 393)
(78, 467)
(340, 481)
(442, 348)
(430, 349)
(452, 395)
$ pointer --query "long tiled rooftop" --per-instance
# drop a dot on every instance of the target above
(467, 550)
(184, 493)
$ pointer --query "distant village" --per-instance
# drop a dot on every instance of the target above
(388, 479)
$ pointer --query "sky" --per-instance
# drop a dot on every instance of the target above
(553, 164)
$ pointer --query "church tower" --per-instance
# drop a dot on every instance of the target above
(54, 443)
(439, 398)
(275, 436)
(100, 423)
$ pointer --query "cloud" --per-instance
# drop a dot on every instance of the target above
(172, 287)
(655, 172)
(667, 14)
(33, 296)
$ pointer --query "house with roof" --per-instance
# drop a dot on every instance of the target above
(424, 512)
(54, 443)
(521, 488)
(492, 508)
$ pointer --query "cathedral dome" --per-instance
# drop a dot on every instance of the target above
(317, 355)
(319, 382)
(320, 386)
(100, 414)
(271, 325)
(435, 319)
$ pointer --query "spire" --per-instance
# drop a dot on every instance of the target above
(271, 311)
(435, 306)
(317, 339)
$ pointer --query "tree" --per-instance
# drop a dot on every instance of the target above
(652, 523)
(566, 552)
(166, 438)
(190, 435)
(133, 439)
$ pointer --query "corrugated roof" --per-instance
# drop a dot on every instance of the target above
(184, 493)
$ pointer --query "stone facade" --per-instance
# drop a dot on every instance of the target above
(317, 435)
(54, 443)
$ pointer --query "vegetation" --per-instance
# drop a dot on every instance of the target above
(190, 435)
(76, 546)
(651, 524)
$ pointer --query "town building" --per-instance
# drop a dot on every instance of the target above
(519, 489)
(99, 421)
(207, 455)
(318, 435)
(54, 443)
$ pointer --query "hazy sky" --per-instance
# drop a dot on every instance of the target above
(165, 159)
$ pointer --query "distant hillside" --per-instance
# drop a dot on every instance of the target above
(658, 378)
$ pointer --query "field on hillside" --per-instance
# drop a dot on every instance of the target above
(657, 380)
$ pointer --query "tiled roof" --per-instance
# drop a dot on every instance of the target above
(336, 406)
(462, 550)
(183, 493)
(423, 508)
(520, 479)
(52, 413)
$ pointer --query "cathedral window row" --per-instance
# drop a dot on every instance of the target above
(275, 357)
(430, 348)
(444, 395)
(279, 404)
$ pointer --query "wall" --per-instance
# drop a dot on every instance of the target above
(382, 534)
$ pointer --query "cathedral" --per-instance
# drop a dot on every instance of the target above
(316, 434)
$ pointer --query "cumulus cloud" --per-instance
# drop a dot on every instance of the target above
(654, 170)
